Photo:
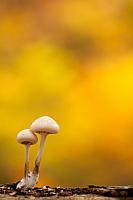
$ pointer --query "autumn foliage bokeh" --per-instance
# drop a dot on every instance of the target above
(71, 60)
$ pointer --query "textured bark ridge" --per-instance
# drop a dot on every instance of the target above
(92, 192)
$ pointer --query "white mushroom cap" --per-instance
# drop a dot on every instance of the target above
(26, 137)
(44, 124)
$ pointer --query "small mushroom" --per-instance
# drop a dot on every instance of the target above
(44, 125)
(27, 138)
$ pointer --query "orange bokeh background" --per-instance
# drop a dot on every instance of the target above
(71, 60)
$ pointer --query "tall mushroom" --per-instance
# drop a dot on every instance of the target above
(44, 125)
(27, 138)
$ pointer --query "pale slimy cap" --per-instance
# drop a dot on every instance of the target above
(26, 137)
(44, 124)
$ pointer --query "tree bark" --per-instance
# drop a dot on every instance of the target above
(78, 197)
(91, 192)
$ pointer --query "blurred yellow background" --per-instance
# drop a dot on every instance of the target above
(71, 60)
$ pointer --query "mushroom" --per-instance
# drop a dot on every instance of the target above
(44, 125)
(27, 138)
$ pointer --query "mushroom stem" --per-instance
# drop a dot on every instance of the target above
(26, 166)
(39, 154)
(35, 174)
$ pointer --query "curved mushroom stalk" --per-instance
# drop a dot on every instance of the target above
(38, 158)
(24, 181)
(26, 166)
(35, 174)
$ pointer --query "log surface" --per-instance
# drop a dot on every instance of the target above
(91, 192)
